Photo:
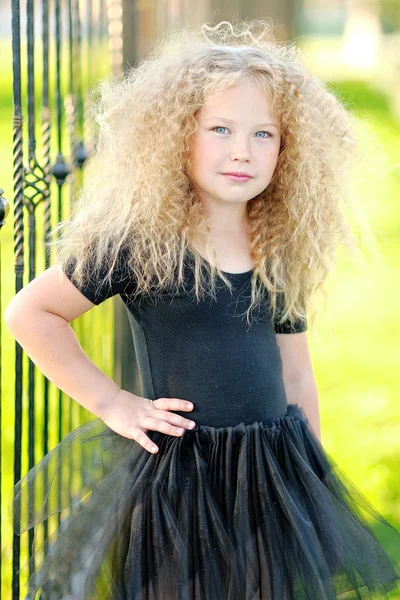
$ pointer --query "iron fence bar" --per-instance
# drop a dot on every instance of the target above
(60, 171)
(31, 149)
(35, 184)
(18, 176)
(46, 134)
(4, 210)
(70, 125)
(46, 141)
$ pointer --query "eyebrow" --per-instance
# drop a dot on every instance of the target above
(230, 121)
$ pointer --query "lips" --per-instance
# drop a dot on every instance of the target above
(238, 174)
(237, 178)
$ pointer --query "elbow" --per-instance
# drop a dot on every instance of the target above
(18, 314)
(12, 315)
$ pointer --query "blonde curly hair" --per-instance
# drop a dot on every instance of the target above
(137, 196)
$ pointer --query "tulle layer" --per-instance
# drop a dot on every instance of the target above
(248, 512)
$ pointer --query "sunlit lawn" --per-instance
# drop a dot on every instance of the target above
(356, 349)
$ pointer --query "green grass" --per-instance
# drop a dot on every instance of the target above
(355, 353)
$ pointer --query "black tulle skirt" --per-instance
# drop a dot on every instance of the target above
(248, 512)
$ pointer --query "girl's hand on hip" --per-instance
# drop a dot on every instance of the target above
(131, 416)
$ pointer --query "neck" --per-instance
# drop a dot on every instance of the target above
(228, 222)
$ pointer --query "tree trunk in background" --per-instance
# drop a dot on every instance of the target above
(362, 35)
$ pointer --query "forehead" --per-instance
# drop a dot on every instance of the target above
(244, 101)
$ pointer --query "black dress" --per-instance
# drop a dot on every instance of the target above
(248, 506)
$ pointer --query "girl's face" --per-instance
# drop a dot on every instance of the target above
(237, 132)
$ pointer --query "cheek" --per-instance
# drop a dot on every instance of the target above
(201, 161)
(205, 155)
(277, 147)
(272, 153)
(209, 144)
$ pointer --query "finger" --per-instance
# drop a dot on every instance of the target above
(156, 424)
(176, 420)
(173, 404)
(141, 438)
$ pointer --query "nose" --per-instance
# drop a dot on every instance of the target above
(240, 151)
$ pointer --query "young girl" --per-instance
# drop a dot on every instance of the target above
(211, 206)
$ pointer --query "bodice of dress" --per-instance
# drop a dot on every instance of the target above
(205, 351)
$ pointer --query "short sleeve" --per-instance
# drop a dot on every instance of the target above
(98, 289)
(298, 326)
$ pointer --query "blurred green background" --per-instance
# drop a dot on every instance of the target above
(356, 350)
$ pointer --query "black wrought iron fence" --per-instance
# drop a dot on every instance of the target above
(68, 48)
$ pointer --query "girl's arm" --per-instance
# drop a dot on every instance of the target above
(298, 376)
(38, 317)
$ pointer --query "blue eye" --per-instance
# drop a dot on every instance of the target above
(218, 127)
(222, 127)
(270, 135)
